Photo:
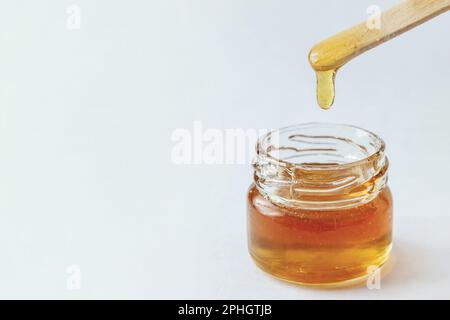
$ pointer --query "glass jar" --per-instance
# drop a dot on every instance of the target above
(320, 211)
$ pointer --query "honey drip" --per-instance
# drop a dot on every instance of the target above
(325, 88)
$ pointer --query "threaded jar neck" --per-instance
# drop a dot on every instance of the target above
(320, 166)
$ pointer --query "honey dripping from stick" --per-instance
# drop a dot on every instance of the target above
(324, 59)
(325, 88)
(328, 56)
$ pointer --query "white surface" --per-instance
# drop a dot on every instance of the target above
(86, 118)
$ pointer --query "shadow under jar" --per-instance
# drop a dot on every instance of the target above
(320, 211)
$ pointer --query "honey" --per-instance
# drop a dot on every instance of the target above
(319, 211)
(325, 88)
(319, 247)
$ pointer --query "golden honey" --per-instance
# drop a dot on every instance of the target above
(325, 88)
(319, 211)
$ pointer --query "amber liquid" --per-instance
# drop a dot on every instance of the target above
(319, 247)
(325, 88)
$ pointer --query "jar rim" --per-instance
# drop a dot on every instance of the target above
(264, 145)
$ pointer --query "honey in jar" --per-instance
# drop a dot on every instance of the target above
(320, 210)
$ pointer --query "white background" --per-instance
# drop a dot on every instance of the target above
(86, 118)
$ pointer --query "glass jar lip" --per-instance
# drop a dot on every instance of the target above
(263, 145)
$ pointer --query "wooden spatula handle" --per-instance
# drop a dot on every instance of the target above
(342, 47)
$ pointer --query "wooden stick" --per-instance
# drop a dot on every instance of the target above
(337, 50)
